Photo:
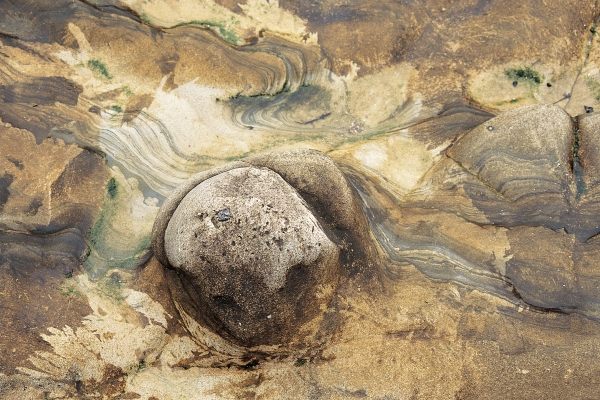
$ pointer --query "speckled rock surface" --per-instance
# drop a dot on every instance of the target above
(258, 258)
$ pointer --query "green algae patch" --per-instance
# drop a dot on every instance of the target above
(594, 87)
(116, 108)
(68, 289)
(525, 74)
(70, 292)
(99, 67)
(112, 286)
(127, 91)
(104, 255)
(227, 35)
(508, 102)
(111, 188)
(145, 18)
(141, 366)
(219, 27)
(120, 236)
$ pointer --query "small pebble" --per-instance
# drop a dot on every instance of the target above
(515, 83)
(224, 215)
(588, 109)
(490, 128)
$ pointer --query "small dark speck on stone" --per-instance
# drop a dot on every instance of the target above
(223, 215)
(588, 109)
(490, 128)
(549, 84)
(300, 362)
(251, 365)
(16, 162)
(94, 109)
(567, 95)
(515, 83)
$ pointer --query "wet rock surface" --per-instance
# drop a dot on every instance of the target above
(515, 184)
(259, 260)
(465, 223)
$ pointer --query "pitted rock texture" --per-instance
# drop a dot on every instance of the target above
(257, 258)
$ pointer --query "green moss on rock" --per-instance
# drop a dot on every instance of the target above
(99, 67)
(524, 74)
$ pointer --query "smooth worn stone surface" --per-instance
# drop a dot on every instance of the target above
(520, 159)
(520, 154)
(319, 180)
(258, 258)
(170, 205)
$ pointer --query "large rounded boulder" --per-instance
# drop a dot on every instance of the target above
(255, 253)
(254, 250)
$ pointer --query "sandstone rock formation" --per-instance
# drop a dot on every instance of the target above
(464, 226)
(257, 259)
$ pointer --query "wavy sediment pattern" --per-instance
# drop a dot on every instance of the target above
(483, 226)
(161, 149)
(537, 205)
